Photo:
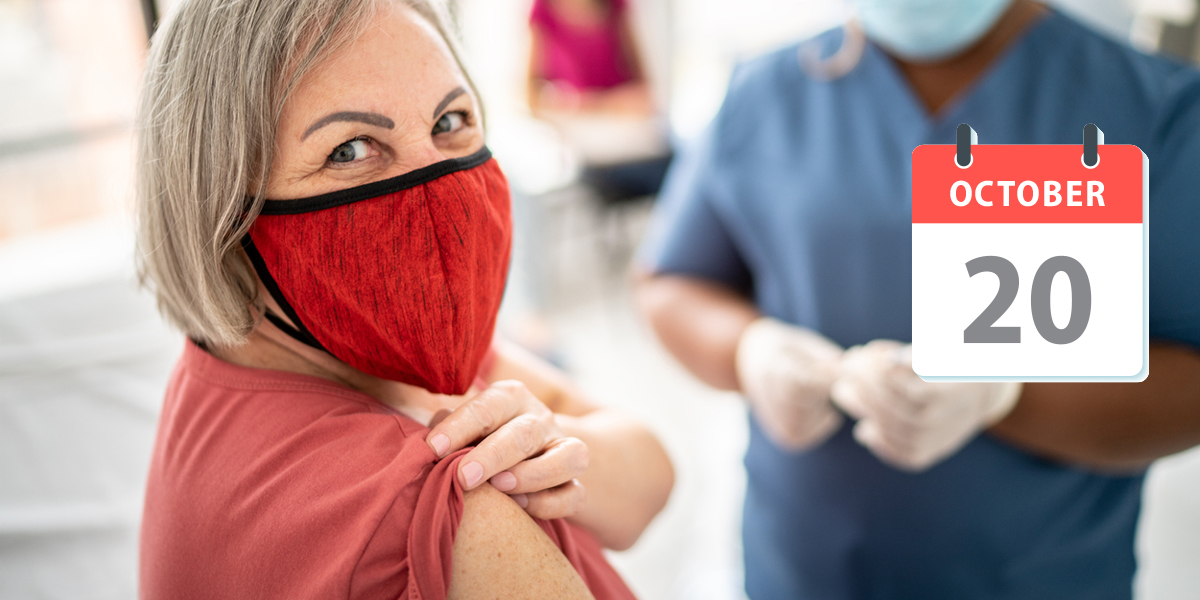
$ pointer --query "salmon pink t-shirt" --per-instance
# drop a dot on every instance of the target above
(265, 484)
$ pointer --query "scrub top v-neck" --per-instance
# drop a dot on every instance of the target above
(798, 195)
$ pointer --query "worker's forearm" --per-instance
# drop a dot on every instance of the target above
(700, 324)
(628, 478)
(1112, 426)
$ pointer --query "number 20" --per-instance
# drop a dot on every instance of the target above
(982, 330)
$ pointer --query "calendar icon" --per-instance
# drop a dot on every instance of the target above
(1030, 262)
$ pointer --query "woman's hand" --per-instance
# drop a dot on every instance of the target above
(521, 450)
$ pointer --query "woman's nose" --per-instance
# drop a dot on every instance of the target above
(422, 155)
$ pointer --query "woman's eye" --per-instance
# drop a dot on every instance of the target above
(350, 151)
(450, 122)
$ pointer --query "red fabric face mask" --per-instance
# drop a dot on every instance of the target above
(400, 278)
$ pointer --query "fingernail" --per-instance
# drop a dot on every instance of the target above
(504, 481)
(441, 444)
(522, 500)
(472, 473)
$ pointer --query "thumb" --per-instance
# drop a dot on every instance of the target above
(438, 417)
(847, 396)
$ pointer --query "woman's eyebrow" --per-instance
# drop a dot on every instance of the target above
(375, 119)
(454, 93)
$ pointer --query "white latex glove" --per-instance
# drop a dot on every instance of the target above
(786, 372)
(905, 421)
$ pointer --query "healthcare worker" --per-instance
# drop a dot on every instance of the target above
(783, 239)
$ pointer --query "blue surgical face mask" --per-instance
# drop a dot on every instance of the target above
(928, 30)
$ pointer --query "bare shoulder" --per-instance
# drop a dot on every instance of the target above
(500, 552)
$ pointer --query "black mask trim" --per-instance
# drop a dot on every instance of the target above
(300, 332)
(376, 188)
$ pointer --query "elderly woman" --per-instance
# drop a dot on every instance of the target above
(319, 214)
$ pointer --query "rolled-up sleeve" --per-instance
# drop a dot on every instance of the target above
(411, 552)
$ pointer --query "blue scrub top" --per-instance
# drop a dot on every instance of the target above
(799, 196)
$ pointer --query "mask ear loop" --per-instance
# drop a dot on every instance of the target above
(300, 333)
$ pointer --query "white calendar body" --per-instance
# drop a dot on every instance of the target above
(1109, 348)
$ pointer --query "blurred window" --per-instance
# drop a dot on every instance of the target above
(69, 74)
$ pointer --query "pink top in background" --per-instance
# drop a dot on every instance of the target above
(584, 57)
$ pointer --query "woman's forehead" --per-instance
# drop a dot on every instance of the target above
(399, 65)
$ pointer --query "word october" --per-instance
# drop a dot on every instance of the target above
(961, 193)
(1028, 184)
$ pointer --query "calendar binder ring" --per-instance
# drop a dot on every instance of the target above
(966, 138)
(1093, 138)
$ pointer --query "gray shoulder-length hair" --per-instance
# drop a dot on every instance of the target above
(217, 75)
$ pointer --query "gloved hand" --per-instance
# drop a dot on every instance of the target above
(905, 421)
(785, 372)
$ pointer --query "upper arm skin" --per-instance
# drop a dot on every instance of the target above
(533, 78)
(631, 49)
(499, 552)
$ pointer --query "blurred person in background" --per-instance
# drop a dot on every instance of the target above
(587, 77)
(779, 266)
(333, 236)
(584, 57)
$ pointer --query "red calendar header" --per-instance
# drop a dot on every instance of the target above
(1027, 184)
